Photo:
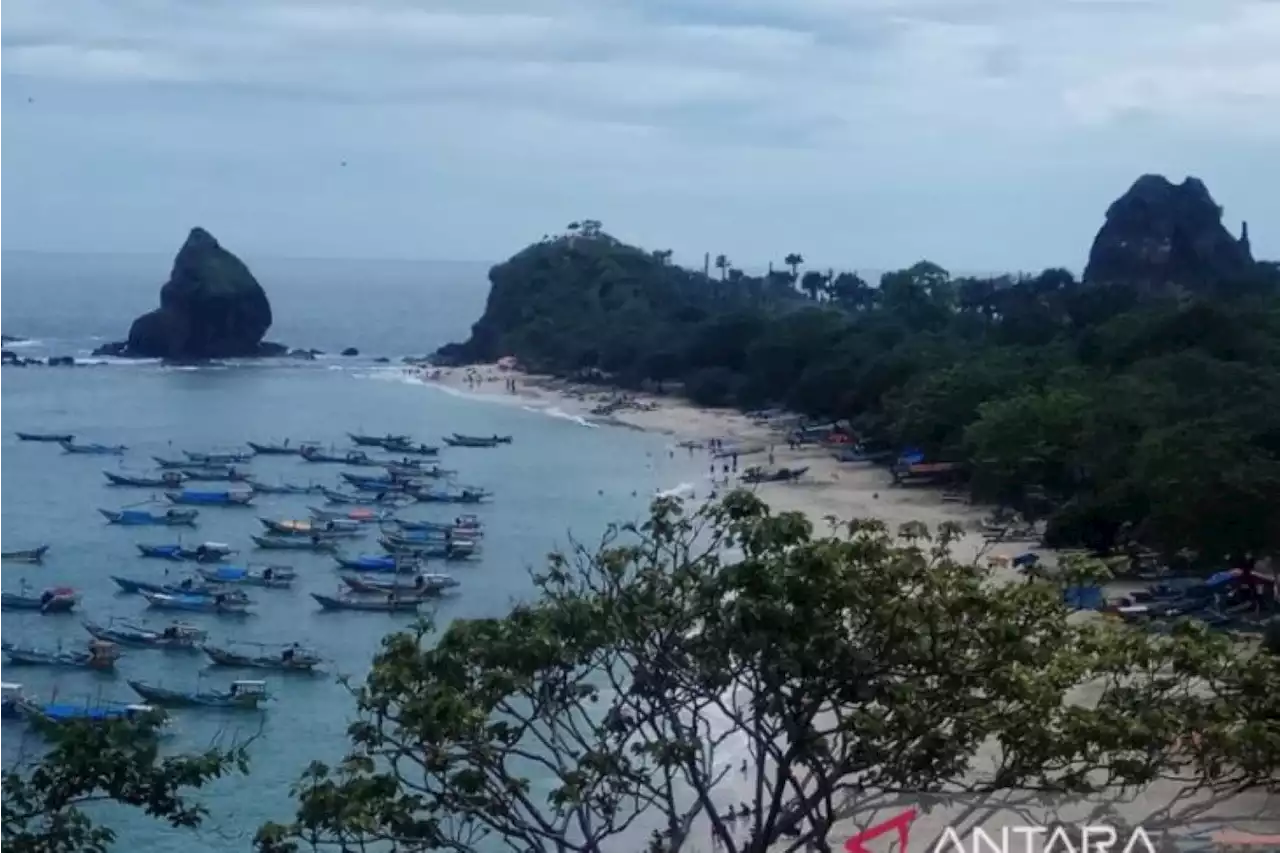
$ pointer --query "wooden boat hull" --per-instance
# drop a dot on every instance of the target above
(56, 603)
(142, 482)
(300, 661)
(196, 603)
(210, 498)
(180, 699)
(400, 605)
(31, 555)
(47, 437)
(217, 458)
(282, 488)
(172, 518)
(274, 449)
(432, 585)
(136, 586)
(377, 441)
(283, 580)
(19, 656)
(179, 553)
(294, 543)
(183, 638)
(355, 459)
(93, 449)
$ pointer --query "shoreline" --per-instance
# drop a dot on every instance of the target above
(829, 489)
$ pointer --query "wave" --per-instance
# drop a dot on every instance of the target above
(114, 361)
(31, 342)
(556, 412)
(682, 491)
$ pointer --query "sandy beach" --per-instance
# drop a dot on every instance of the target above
(829, 489)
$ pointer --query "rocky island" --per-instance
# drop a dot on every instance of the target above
(211, 307)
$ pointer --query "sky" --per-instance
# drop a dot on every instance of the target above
(982, 134)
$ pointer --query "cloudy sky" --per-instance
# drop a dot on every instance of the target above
(984, 134)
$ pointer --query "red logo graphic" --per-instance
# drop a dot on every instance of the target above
(901, 822)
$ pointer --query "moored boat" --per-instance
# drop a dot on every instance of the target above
(100, 655)
(419, 585)
(434, 549)
(378, 440)
(353, 457)
(136, 517)
(48, 437)
(213, 474)
(379, 563)
(327, 529)
(177, 636)
(270, 577)
(97, 711)
(381, 499)
(465, 495)
(93, 449)
(290, 658)
(462, 527)
(219, 498)
(418, 449)
(362, 515)
(220, 602)
(166, 479)
(241, 695)
(285, 449)
(217, 458)
(11, 698)
(58, 599)
(205, 552)
(295, 543)
(391, 603)
(283, 488)
(30, 555)
(187, 586)
(460, 440)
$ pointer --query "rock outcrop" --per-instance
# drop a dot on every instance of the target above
(1161, 236)
(211, 307)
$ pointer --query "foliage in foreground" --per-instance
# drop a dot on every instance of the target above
(730, 660)
(117, 761)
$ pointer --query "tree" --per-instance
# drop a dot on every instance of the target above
(794, 260)
(659, 682)
(723, 263)
(813, 283)
(663, 256)
(850, 291)
(117, 761)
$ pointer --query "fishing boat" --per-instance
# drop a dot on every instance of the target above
(465, 495)
(460, 440)
(241, 695)
(166, 479)
(93, 449)
(392, 603)
(295, 543)
(217, 458)
(414, 449)
(757, 475)
(186, 586)
(382, 499)
(271, 577)
(378, 440)
(58, 599)
(399, 470)
(431, 550)
(420, 585)
(331, 528)
(223, 602)
(223, 498)
(99, 655)
(206, 552)
(285, 449)
(49, 437)
(462, 527)
(137, 517)
(379, 563)
(213, 475)
(98, 711)
(177, 636)
(282, 488)
(11, 699)
(180, 463)
(30, 555)
(362, 515)
(352, 457)
(290, 658)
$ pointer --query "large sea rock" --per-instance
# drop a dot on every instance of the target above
(1163, 236)
(211, 307)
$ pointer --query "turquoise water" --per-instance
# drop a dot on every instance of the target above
(558, 478)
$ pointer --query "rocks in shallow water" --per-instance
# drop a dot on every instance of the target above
(350, 351)
(61, 361)
(382, 359)
(115, 348)
(211, 307)
(1160, 234)
(271, 349)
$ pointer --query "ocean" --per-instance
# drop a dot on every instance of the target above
(559, 481)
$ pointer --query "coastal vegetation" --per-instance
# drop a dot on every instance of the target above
(1140, 404)
(729, 676)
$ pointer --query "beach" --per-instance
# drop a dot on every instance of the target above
(829, 490)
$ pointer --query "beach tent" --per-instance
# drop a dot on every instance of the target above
(1085, 597)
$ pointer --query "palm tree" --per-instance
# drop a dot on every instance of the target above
(794, 260)
(722, 264)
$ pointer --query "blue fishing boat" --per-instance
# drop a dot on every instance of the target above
(98, 711)
(58, 599)
(420, 585)
(93, 449)
(217, 458)
(191, 496)
(100, 655)
(363, 515)
(462, 527)
(226, 603)
(241, 695)
(178, 636)
(283, 488)
(431, 550)
(271, 577)
(378, 563)
(214, 475)
(315, 542)
(137, 517)
(392, 499)
(166, 479)
(392, 603)
(187, 586)
(206, 552)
